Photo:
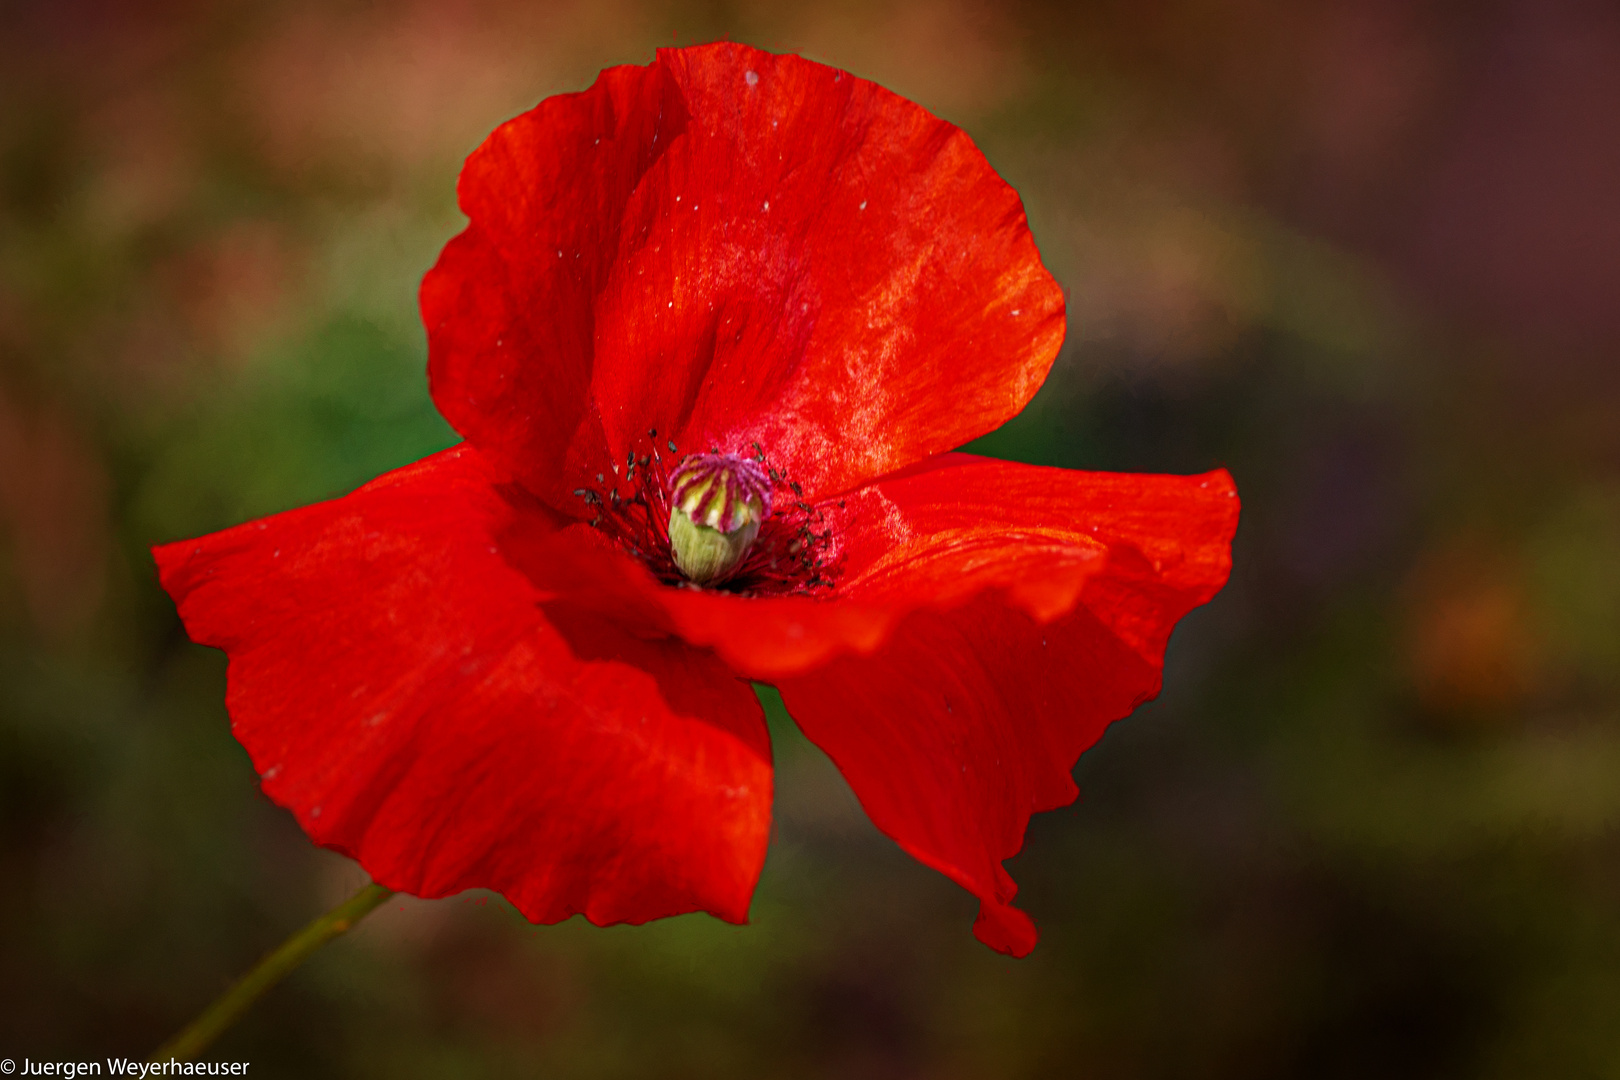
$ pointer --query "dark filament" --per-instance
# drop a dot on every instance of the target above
(793, 554)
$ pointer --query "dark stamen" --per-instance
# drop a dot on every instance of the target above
(793, 554)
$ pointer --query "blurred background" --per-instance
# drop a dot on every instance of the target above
(1364, 254)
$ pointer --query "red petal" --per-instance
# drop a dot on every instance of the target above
(934, 537)
(510, 306)
(400, 690)
(949, 528)
(968, 720)
(733, 247)
(761, 637)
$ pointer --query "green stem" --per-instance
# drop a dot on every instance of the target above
(195, 1037)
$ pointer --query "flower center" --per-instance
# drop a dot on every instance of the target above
(717, 504)
(708, 523)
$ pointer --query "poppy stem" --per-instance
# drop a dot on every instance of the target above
(196, 1036)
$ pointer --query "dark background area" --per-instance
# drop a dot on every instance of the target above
(1366, 255)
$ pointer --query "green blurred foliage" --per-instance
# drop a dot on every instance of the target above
(1370, 829)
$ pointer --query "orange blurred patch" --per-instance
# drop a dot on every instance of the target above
(147, 161)
(393, 88)
(53, 507)
(232, 287)
(1472, 643)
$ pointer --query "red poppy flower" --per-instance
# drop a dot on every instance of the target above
(718, 319)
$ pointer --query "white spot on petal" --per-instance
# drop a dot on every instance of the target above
(751, 78)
